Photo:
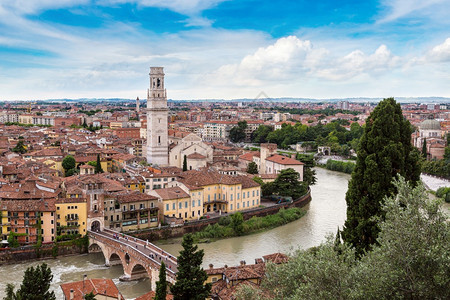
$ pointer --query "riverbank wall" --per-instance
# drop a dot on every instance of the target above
(167, 232)
(26, 253)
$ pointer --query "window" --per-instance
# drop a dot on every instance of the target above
(253, 203)
(199, 203)
(253, 193)
(209, 198)
(243, 195)
(124, 208)
(238, 206)
(248, 194)
(231, 206)
(193, 203)
(231, 197)
(141, 206)
(248, 203)
(167, 206)
(185, 204)
(173, 206)
(180, 205)
(257, 193)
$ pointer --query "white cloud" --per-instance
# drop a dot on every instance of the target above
(401, 8)
(440, 53)
(290, 58)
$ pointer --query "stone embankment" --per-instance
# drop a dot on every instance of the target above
(166, 232)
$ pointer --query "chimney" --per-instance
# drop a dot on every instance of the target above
(71, 294)
(211, 266)
(242, 262)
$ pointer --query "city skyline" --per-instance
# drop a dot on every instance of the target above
(224, 49)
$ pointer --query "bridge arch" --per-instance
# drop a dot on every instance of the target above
(138, 271)
(115, 259)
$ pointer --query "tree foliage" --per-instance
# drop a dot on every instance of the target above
(184, 163)
(237, 133)
(35, 285)
(190, 276)
(384, 150)
(286, 184)
(410, 260)
(20, 147)
(237, 223)
(260, 134)
(424, 148)
(161, 285)
(68, 162)
(98, 165)
(252, 168)
(89, 296)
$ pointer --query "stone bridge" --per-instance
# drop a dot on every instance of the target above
(137, 257)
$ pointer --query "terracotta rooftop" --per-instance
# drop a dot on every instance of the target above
(151, 295)
(276, 258)
(283, 160)
(171, 193)
(103, 287)
(196, 155)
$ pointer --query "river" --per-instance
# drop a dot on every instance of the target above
(324, 214)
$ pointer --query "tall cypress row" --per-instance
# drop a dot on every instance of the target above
(385, 150)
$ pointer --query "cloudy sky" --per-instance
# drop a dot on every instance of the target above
(224, 48)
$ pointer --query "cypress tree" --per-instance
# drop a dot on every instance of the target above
(98, 166)
(161, 285)
(36, 284)
(185, 163)
(190, 276)
(424, 148)
(384, 151)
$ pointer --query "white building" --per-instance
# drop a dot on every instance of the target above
(157, 111)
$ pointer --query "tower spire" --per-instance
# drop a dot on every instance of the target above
(157, 112)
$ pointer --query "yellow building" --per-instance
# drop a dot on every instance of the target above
(224, 193)
(4, 224)
(71, 215)
(179, 204)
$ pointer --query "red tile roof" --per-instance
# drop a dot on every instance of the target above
(283, 160)
(104, 287)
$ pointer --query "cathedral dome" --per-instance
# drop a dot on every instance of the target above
(430, 125)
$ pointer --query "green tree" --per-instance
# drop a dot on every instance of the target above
(184, 163)
(12, 242)
(68, 163)
(237, 223)
(237, 133)
(261, 133)
(84, 123)
(252, 168)
(410, 260)
(424, 148)
(385, 150)
(98, 166)
(20, 147)
(36, 284)
(190, 276)
(89, 296)
(161, 285)
(287, 184)
(9, 292)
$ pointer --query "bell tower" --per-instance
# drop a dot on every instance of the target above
(157, 112)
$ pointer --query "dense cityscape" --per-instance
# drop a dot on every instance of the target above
(224, 150)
